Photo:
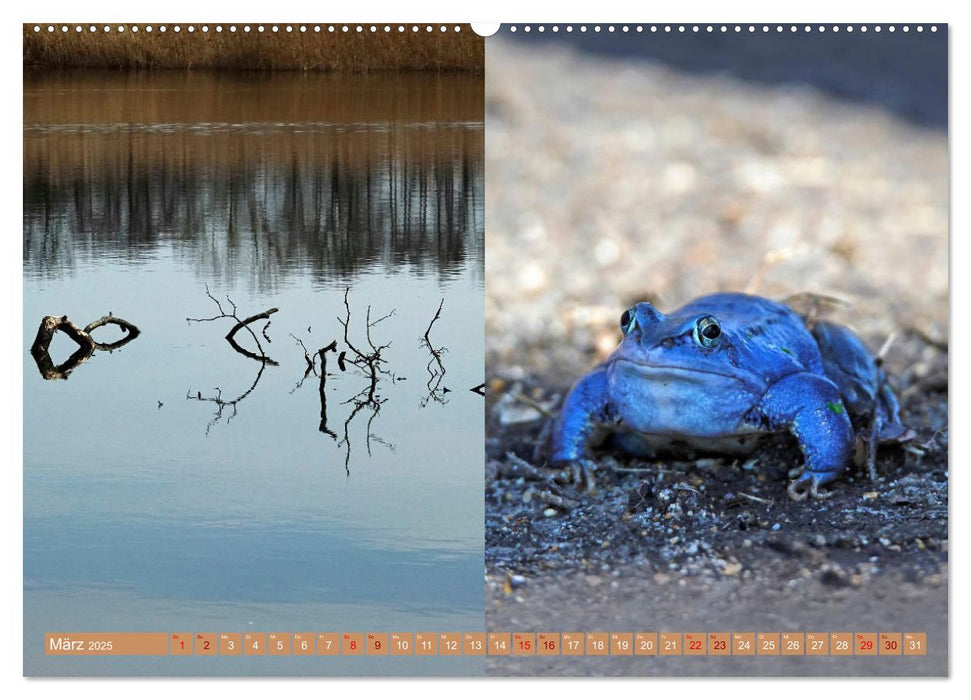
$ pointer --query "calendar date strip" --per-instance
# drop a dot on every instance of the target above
(486, 644)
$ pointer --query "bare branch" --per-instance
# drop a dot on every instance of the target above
(260, 355)
(435, 366)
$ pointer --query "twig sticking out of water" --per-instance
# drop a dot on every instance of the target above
(435, 367)
(371, 363)
(322, 354)
(241, 323)
(311, 367)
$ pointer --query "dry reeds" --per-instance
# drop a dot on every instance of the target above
(309, 50)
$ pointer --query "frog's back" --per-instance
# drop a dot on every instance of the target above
(769, 333)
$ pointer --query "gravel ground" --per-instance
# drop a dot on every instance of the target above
(630, 181)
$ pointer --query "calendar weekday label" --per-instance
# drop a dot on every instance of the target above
(379, 644)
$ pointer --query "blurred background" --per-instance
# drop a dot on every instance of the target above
(663, 166)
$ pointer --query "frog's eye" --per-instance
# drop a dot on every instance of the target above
(628, 320)
(708, 331)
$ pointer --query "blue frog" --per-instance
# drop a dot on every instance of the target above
(720, 372)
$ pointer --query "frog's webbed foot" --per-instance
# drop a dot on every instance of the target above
(578, 428)
(580, 473)
(809, 407)
(808, 483)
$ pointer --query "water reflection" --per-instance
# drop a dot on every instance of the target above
(246, 174)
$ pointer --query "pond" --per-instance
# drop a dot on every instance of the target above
(175, 484)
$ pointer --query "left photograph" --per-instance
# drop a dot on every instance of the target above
(253, 322)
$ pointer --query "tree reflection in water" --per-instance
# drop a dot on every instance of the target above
(332, 181)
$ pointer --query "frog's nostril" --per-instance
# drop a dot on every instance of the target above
(647, 314)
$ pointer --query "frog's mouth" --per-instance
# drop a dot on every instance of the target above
(687, 375)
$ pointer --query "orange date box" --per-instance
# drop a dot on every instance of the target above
(548, 643)
(597, 643)
(719, 644)
(669, 643)
(205, 643)
(743, 643)
(571, 644)
(645, 643)
(915, 643)
(377, 643)
(278, 643)
(352, 644)
(841, 644)
(890, 643)
(792, 644)
(500, 643)
(180, 644)
(817, 644)
(254, 644)
(865, 643)
(767, 643)
(524, 643)
(621, 643)
(402, 644)
(694, 644)
(453, 644)
(302, 644)
(328, 644)
(230, 644)
(426, 643)
(474, 644)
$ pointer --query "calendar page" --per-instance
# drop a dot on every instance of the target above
(426, 349)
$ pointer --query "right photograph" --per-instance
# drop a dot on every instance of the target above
(717, 320)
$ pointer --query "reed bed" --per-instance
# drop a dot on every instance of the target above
(337, 51)
(144, 97)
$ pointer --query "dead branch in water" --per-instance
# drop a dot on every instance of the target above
(311, 367)
(435, 367)
(49, 325)
(371, 363)
(322, 354)
(131, 331)
(241, 323)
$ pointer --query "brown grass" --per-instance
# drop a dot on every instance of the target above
(232, 120)
(337, 51)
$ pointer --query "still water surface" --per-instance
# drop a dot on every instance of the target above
(146, 508)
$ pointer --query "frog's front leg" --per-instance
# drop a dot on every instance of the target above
(809, 406)
(580, 426)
